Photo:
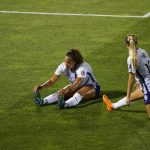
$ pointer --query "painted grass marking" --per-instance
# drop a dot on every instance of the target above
(72, 14)
(147, 15)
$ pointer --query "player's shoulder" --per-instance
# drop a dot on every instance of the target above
(62, 66)
(81, 67)
(142, 53)
(141, 50)
(84, 65)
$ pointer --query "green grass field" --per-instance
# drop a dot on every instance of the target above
(32, 46)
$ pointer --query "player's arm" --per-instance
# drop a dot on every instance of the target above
(131, 80)
(72, 87)
(52, 80)
(47, 84)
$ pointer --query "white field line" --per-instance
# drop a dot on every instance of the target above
(72, 14)
(147, 15)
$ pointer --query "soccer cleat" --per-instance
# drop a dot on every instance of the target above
(38, 100)
(61, 102)
(108, 103)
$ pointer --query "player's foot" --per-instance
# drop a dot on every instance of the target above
(61, 102)
(108, 103)
(37, 98)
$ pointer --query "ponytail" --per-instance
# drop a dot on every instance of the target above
(131, 41)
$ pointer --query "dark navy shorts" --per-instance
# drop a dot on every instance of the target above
(97, 89)
(147, 98)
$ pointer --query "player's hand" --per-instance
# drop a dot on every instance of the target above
(64, 91)
(128, 100)
(61, 92)
(37, 88)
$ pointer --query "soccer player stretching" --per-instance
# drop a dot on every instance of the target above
(83, 84)
(138, 67)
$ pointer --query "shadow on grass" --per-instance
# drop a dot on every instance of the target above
(132, 111)
(85, 103)
(113, 94)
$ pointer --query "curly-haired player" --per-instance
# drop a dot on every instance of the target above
(83, 84)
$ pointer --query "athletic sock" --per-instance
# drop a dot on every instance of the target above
(120, 103)
(51, 98)
(73, 100)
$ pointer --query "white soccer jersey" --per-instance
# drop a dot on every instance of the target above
(143, 70)
(84, 71)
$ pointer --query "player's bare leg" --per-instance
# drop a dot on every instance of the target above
(148, 110)
(86, 92)
(136, 95)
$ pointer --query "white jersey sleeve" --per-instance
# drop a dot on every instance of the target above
(81, 72)
(131, 68)
(60, 69)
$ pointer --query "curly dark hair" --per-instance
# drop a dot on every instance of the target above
(76, 56)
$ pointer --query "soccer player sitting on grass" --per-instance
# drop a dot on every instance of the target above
(83, 84)
(139, 67)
